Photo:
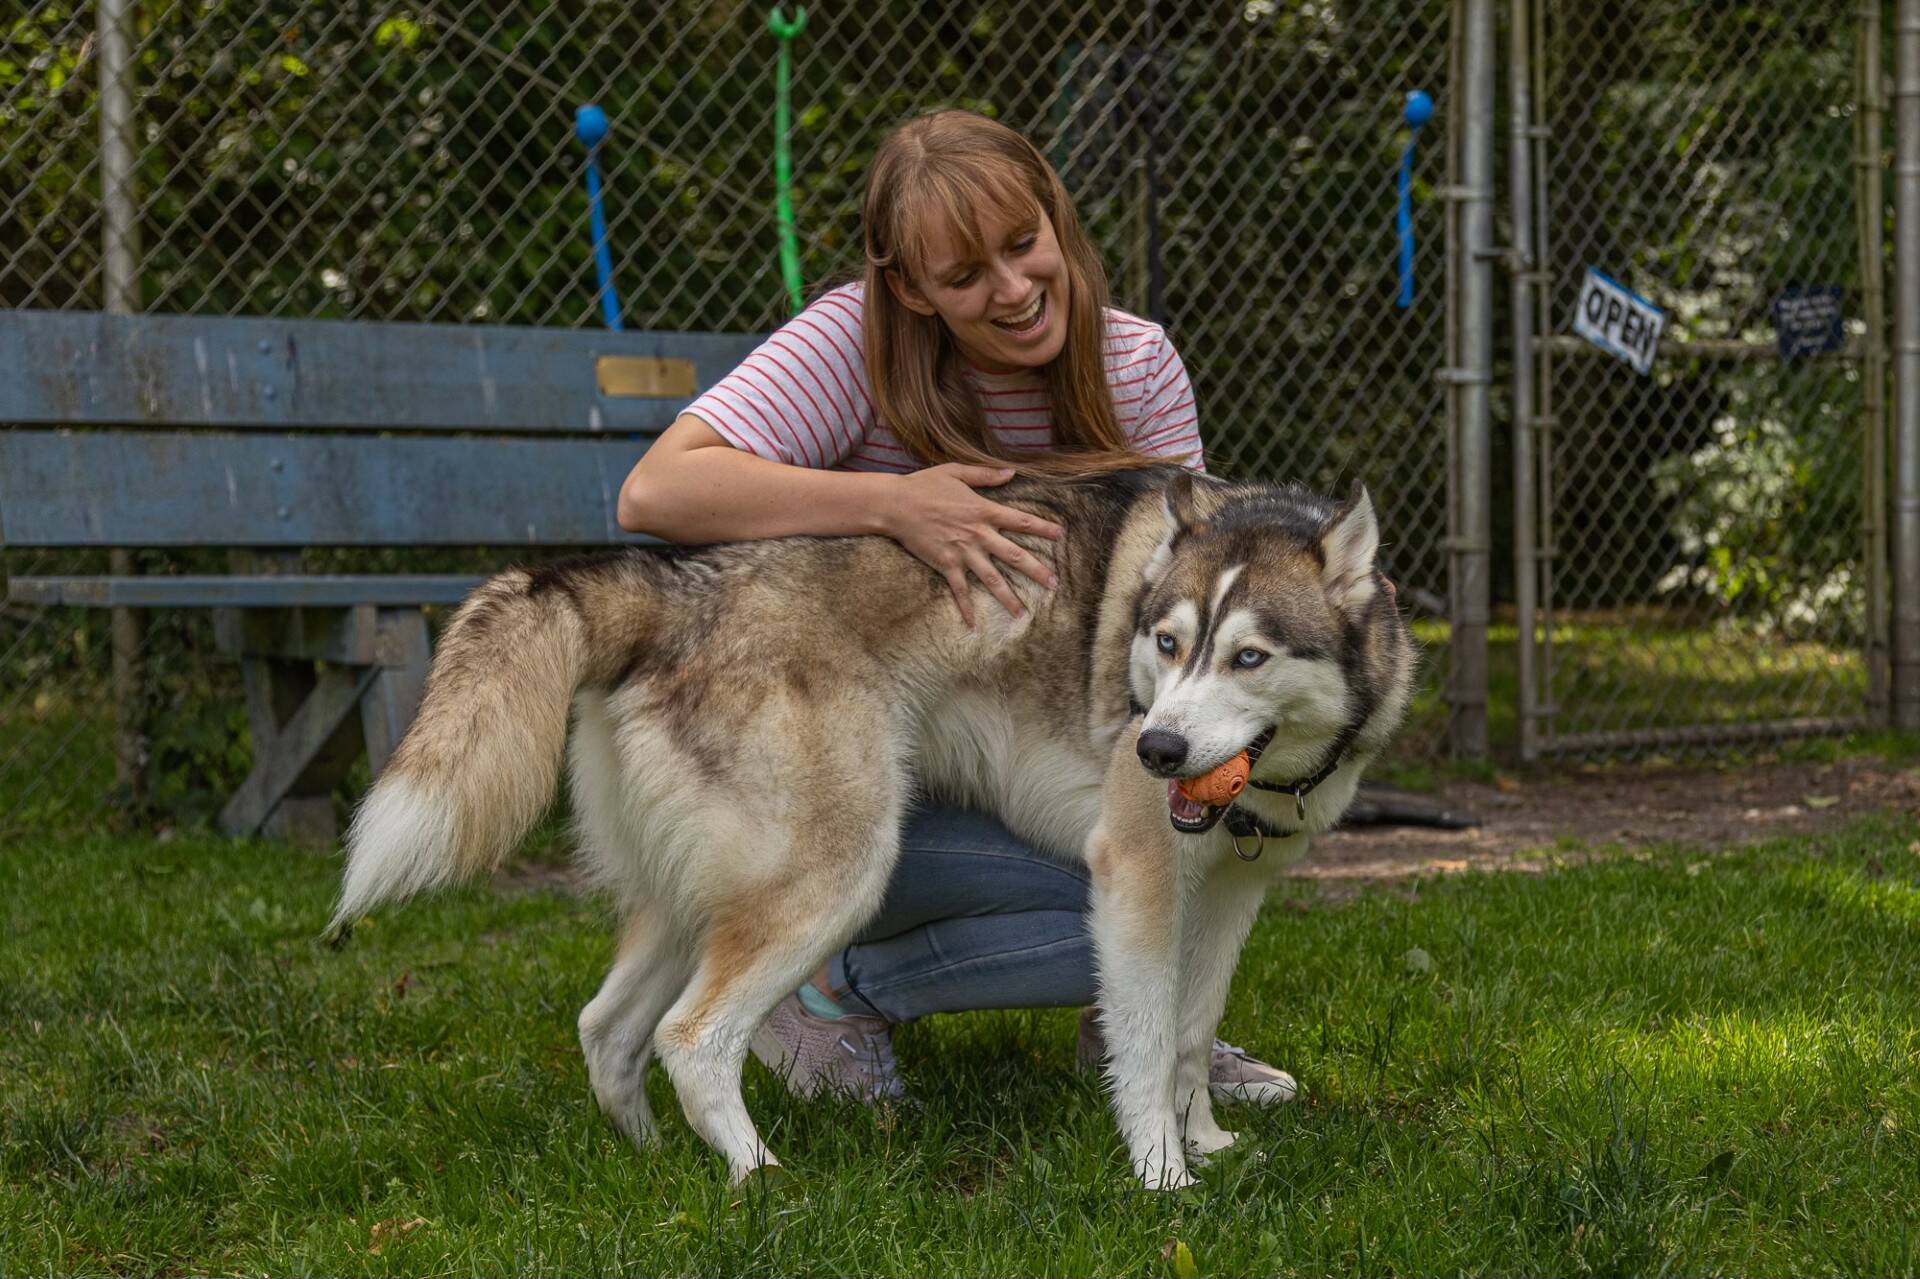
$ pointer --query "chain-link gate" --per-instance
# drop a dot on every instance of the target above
(1708, 555)
(357, 162)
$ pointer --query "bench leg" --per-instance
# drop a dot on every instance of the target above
(389, 703)
(297, 762)
(309, 722)
(131, 742)
(304, 737)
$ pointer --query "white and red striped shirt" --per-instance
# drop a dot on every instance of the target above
(803, 397)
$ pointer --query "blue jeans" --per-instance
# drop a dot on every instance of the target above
(973, 918)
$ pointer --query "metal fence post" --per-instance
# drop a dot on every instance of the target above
(119, 225)
(1905, 524)
(1472, 374)
(1540, 640)
(1520, 189)
(120, 280)
(1870, 215)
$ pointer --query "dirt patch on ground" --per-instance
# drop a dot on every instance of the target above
(1524, 822)
(1532, 824)
(544, 869)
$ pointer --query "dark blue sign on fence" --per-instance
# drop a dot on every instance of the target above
(1808, 321)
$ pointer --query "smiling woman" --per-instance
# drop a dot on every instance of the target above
(981, 253)
(978, 344)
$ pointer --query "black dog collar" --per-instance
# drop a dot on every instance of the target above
(1304, 786)
(1242, 824)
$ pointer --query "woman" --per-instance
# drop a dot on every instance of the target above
(979, 340)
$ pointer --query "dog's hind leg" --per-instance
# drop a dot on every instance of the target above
(616, 1026)
(756, 951)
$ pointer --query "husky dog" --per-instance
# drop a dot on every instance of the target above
(751, 721)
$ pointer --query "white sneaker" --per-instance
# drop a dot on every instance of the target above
(851, 1054)
(1232, 1075)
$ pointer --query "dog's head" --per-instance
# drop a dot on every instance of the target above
(1263, 625)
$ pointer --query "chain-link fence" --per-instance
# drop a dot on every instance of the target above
(1705, 529)
(361, 162)
(1702, 555)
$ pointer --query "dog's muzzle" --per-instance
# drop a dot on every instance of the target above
(1192, 816)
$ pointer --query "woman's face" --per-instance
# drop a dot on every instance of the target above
(1007, 311)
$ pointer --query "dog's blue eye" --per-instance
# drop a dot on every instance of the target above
(1249, 658)
(1166, 642)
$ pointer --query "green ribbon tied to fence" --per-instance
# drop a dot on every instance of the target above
(785, 30)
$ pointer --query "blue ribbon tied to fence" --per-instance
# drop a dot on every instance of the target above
(590, 126)
(1419, 110)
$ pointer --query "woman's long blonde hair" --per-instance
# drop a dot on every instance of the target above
(953, 165)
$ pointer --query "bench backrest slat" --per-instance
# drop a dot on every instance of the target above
(248, 373)
(135, 488)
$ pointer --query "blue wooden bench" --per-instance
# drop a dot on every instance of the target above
(266, 436)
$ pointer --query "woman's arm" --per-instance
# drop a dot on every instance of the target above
(694, 486)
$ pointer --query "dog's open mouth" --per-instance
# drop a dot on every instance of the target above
(1194, 817)
(1190, 816)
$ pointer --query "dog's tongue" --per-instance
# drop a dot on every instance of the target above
(1187, 810)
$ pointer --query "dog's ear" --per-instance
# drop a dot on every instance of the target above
(1181, 505)
(1348, 547)
(1184, 515)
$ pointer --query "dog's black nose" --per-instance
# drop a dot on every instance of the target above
(1162, 750)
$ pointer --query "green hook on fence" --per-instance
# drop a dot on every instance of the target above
(785, 31)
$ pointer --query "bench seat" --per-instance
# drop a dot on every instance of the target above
(242, 591)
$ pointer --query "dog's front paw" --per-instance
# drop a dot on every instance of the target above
(769, 1183)
(1164, 1174)
(1202, 1144)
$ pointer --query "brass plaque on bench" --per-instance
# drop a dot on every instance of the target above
(644, 375)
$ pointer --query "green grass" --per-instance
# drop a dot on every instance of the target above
(1656, 1062)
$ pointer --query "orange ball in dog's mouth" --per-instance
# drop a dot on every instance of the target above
(1222, 786)
(1189, 798)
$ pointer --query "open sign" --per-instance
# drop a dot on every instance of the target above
(1618, 320)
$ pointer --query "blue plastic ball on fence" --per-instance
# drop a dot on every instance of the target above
(590, 125)
(1419, 108)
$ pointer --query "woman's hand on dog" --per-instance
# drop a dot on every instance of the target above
(937, 515)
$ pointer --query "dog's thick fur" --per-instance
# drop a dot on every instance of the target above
(750, 722)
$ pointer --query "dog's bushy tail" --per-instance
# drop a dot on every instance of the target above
(481, 760)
